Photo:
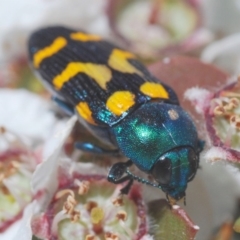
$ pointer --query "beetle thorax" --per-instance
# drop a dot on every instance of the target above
(152, 130)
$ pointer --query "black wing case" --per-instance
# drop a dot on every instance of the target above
(103, 82)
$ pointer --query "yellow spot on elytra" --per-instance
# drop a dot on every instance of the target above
(97, 215)
(118, 60)
(99, 73)
(85, 112)
(84, 37)
(48, 51)
(154, 90)
(120, 101)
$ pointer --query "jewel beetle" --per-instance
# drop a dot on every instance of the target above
(118, 100)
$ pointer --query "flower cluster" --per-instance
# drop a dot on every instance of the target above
(49, 190)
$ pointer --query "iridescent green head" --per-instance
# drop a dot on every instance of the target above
(161, 140)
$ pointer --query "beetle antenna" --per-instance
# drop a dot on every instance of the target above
(142, 180)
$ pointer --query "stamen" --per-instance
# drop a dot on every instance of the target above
(235, 121)
(75, 216)
(118, 201)
(5, 190)
(90, 237)
(225, 106)
(83, 186)
(7, 169)
(70, 204)
(64, 192)
(122, 215)
(233, 103)
(90, 205)
(219, 111)
(111, 236)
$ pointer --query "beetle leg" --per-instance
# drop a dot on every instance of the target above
(127, 187)
(66, 107)
(116, 172)
(91, 148)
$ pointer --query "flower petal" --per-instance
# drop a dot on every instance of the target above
(45, 177)
(26, 114)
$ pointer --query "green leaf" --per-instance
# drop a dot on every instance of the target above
(171, 223)
(236, 226)
(35, 238)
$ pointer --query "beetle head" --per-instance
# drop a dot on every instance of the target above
(174, 169)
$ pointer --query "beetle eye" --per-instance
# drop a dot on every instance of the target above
(162, 171)
(193, 163)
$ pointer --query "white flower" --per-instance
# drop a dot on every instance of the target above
(26, 114)
(26, 123)
(19, 18)
(221, 16)
(44, 176)
(224, 53)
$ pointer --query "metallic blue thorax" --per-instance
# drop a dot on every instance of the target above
(152, 130)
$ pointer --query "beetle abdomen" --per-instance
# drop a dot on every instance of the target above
(102, 81)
